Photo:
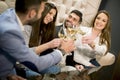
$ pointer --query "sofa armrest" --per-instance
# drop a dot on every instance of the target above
(108, 59)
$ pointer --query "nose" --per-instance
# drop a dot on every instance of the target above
(51, 18)
(70, 19)
(99, 20)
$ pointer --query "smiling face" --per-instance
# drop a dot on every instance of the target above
(50, 16)
(72, 19)
(101, 21)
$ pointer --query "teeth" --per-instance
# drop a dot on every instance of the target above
(69, 23)
(98, 25)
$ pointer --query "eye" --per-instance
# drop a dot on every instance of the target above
(74, 19)
(104, 20)
(70, 16)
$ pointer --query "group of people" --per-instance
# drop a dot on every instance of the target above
(94, 42)
(29, 35)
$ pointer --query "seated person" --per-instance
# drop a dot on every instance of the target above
(40, 37)
(83, 57)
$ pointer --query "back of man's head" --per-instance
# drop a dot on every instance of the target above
(78, 13)
(22, 6)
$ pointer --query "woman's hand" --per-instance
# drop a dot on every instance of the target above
(54, 43)
(67, 45)
(87, 40)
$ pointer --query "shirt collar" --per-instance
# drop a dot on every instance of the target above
(64, 29)
(20, 23)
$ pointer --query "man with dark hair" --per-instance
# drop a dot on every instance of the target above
(73, 19)
(12, 43)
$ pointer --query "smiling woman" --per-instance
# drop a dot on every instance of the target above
(41, 34)
(43, 30)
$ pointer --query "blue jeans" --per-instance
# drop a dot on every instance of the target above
(30, 73)
(94, 62)
(51, 70)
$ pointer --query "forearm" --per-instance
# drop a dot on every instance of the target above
(101, 49)
(16, 50)
(39, 49)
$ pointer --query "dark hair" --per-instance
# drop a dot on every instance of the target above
(49, 29)
(22, 6)
(78, 13)
(45, 31)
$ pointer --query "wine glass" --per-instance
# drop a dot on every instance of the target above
(80, 32)
(61, 34)
(71, 32)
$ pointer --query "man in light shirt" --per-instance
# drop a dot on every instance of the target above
(12, 44)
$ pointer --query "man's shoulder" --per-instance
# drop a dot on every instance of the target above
(8, 26)
(8, 22)
(61, 25)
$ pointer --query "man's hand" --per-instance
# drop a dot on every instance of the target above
(67, 45)
(15, 77)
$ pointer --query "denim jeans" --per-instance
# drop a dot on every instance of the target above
(51, 70)
(30, 73)
(94, 62)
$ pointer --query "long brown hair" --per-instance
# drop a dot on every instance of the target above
(41, 31)
(105, 37)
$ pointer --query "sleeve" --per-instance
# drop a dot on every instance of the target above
(88, 51)
(13, 44)
(70, 60)
(100, 49)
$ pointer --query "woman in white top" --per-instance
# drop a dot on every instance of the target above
(96, 41)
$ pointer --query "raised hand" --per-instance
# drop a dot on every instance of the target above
(55, 43)
(67, 45)
(87, 40)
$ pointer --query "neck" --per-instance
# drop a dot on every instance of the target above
(22, 18)
(95, 32)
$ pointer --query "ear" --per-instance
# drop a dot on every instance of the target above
(78, 24)
(31, 14)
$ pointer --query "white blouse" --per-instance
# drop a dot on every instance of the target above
(84, 53)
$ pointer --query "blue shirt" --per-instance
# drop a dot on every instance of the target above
(13, 47)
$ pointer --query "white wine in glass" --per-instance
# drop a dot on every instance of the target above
(60, 34)
(71, 32)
